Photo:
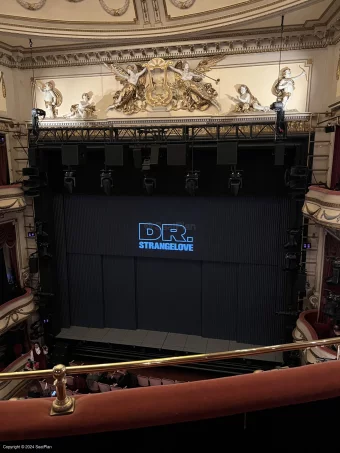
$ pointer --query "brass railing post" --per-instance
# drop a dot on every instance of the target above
(63, 404)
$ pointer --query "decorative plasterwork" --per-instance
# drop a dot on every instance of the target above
(297, 122)
(323, 206)
(11, 199)
(32, 6)
(9, 388)
(95, 54)
(117, 11)
(183, 4)
(304, 331)
(112, 11)
(16, 311)
(3, 86)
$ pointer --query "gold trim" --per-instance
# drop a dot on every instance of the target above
(155, 363)
(323, 204)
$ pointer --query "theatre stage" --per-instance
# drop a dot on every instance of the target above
(161, 341)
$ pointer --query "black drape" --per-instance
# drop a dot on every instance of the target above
(4, 179)
(5, 288)
(336, 160)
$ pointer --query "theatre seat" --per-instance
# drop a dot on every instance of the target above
(143, 381)
(155, 381)
(104, 387)
(167, 381)
(115, 387)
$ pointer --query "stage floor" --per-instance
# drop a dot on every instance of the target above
(160, 340)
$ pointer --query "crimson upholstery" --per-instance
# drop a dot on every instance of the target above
(163, 405)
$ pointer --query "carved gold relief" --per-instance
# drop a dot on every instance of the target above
(32, 6)
(158, 92)
(117, 11)
(183, 4)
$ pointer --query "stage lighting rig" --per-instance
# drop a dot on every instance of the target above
(191, 182)
(106, 181)
(69, 180)
(235, 182)
(36, 113)
(149, 184)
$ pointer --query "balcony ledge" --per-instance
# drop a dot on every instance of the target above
(9, 388)
(304, 331)
(323, 206)
(12, 199)
(16, 310)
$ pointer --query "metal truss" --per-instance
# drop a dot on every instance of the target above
(162, 134)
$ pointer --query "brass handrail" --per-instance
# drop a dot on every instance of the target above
(166, 361)
(64, 404)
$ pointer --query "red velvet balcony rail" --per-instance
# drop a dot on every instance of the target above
(163, 405)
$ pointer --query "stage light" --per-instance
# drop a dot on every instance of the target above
(329, 128)
(36, 113)
(293, 238)
(291, 261)
(69, 181)
(280, 117)
(146, 164)
(106, 181)
(149, 184)
(191, 182)
(235, 182)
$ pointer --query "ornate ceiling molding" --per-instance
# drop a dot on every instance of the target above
(96, 54)
(32, 6)
(183, 4)
(115, 12)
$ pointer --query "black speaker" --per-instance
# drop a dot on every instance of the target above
(70, 155)
(33, 157)
(176, 154)
(279, 154)
(34, 263)
(154, 155)
(114, 155)
(301, 282)
(137, 158)
(227, 153)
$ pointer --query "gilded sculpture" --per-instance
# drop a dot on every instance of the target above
(246, 102)
(85, 109)
(131, 98)
(186, 91)
(52, 98)
(190, 92)
(285, 86)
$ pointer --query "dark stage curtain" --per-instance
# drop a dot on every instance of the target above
(8, 241)
(336, 160)
(4, 179)
(5, 288)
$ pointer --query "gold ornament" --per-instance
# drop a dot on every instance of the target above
(158, 92)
